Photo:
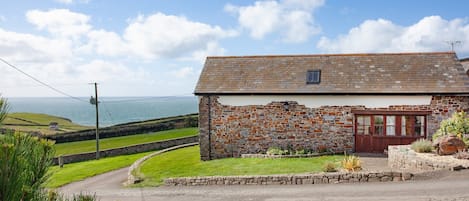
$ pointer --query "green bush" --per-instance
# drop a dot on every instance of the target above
(422, 146)
(329, 167)
(3, 109)
(54, 196)
(24, 162)
(276, 151)
(458, 125)
(300, 152)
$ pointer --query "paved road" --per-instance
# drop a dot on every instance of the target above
(449, 186)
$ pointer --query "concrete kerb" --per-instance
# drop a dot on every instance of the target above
(133, 179)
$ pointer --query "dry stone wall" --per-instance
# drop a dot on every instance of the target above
(320, 178)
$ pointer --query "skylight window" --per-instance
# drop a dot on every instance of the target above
(313, 77)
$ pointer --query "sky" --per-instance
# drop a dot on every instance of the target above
(158, 47)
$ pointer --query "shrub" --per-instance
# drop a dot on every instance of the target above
(458, 124)
(300, 152)
(54, 196)
(276, 151)
(24, 162)
(84, 197)
(329, 167)
(3, 109)
(351, 163)
(422, 146)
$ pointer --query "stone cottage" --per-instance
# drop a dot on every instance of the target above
(351, 102)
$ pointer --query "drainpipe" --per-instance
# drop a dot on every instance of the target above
(209, 128)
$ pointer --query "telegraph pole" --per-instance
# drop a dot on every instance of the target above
(94, 101)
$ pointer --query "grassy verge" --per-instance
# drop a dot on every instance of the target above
(82, 170)
(186, 163)
(40, 122)
(109, 143)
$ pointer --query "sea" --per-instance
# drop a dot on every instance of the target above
(112, 110)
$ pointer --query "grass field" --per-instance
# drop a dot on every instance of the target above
(82, 170)
(39, 122)
(108, 143)
(186, 163)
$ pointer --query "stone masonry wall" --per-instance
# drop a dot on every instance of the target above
(320, 178)
(230, 131)
(443, 108)
(404, 158)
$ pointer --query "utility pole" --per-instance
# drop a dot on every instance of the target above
(94, 101)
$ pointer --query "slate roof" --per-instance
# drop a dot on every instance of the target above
(390, 73)
(465, 64)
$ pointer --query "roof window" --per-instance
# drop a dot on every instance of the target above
(313, 77)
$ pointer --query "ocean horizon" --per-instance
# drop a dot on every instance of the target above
(112, 110)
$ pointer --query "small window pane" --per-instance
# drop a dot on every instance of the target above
(403, 126)
(391, 125)
(419, 125)
(378, 125)
(313, 77)
(363, 125)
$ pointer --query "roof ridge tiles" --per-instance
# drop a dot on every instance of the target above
(334, 54)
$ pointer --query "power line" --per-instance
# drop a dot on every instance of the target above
(108, 113)
(41, 82)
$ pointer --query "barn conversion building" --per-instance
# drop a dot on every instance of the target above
(340, 102)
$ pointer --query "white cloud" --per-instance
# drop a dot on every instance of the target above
(429, 34)
(293, 19)
(107, 71)
(60, 22)
(21, 47)
(169, 36)
(183, 72)
(71, 51)
(72, 1)
(105, 43)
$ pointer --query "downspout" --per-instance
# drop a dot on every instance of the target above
(209, 128)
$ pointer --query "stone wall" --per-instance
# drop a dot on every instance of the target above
(403, 157)
(127, 150)
(134, 176)
(236, 130)
(230, 131)
(443, 108)
(320, 178)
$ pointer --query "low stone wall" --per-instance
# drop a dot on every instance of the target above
(288, 156)
(133, 176)
(127, 150)
(320, 178)
(403, 157)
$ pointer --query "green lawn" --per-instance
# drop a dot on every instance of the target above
(40, 122)
(186, 163)
(82, 170)
(116, 142)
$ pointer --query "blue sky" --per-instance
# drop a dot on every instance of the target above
(157, 47)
